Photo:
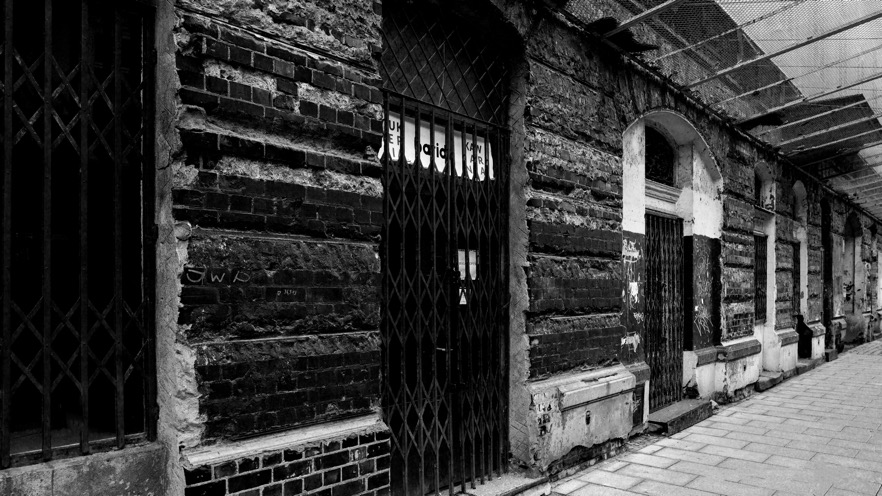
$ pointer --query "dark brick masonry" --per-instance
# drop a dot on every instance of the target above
(357, 465)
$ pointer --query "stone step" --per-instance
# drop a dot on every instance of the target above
(680, 415)
(803, 365)
(831, 354)
(768, 379)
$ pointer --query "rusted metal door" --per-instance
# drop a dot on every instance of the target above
(444, 253)
(664, 323)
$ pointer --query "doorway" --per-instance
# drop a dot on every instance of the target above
(664, 322)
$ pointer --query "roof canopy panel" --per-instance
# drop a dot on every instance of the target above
(805, 76)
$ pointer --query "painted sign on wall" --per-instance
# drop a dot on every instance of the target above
(477, 150)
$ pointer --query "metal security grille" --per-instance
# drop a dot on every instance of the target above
(77, 188)
(760, 281)
(797, 283)
(664, 309)
(432, 55)
(444, 252)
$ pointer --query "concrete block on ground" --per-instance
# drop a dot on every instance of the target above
(682, 414)
(768, 379)
(830, 354)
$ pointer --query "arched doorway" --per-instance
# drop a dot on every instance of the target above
(672, 207)
(445, 245)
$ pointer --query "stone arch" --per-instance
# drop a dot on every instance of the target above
(697, 174)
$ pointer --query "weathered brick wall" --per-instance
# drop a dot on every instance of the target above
(281, 287)
(574, 276)
(354, 465)
(738, 248)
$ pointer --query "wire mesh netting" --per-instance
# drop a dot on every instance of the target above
(802, 75)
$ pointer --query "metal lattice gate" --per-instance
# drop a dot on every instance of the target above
(76, 355)
(664, 325)
(444, 254)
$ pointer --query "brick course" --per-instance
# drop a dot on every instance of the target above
(356, 465)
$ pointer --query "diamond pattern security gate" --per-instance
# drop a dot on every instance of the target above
(76, 355)
(444, 254)
(664, 325)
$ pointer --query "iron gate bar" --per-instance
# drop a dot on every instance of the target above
(7, 237)
(84, 225)
(47, 228)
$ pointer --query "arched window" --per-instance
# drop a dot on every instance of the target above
(661, 159)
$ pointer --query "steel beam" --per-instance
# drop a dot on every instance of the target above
(862, 169)
(829, 129)
(814, 97)
(854, 187)
(643, 16)
(730, 31)
(844, 153)
(808, 41)
(816, 116)
(787, 80)
(829, 143)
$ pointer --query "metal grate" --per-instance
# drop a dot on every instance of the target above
(797, 283)
(444, 252)
(427, 57)
(760, 281)
(77, 344)
(664, 323)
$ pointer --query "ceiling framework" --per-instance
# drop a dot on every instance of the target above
(803, 76)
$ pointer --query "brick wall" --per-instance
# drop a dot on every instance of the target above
(356, 465)
(276, 176)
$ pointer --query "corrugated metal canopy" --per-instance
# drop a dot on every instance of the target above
(805, 76)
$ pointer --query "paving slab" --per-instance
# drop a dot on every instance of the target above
(818, 433)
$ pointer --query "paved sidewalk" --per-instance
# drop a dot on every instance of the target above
(819, 433)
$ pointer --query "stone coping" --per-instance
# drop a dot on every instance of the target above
(730, 352)
(210, 455)
(706, 355)
(787, 336)
(640, 371)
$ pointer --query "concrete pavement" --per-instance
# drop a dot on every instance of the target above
(819, 433)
